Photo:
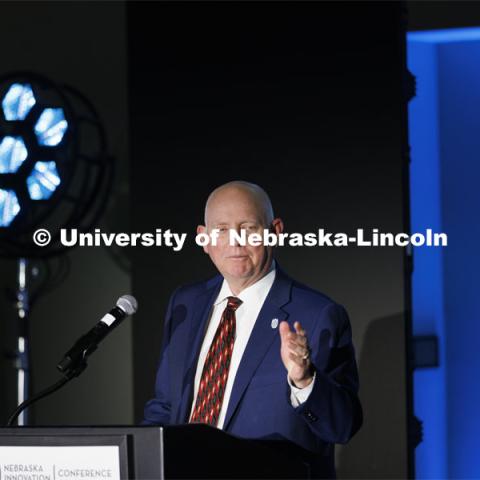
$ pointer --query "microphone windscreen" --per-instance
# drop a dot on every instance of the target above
(128, 304)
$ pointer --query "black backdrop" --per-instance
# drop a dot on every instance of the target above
(305, 99)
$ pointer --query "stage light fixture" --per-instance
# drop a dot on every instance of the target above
(53, 162)
(55, 173)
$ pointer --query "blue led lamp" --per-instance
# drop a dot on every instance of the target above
(50, 127)
(9, 207)
(43, 180)
(18, 101)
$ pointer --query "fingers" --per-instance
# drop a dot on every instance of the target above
(300, 350)
(303, 354)
(287, 334)
(299, 329)
(298, 344)
(299, 335)
(296, 341)
(296, 359)
(302, 341)
(284, 330)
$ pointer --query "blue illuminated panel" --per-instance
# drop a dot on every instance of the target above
(444, 130)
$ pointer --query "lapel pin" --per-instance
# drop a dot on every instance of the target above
(274, 322)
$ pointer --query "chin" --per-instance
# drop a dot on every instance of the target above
(239, 271)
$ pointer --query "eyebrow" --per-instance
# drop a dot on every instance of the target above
(241, 223)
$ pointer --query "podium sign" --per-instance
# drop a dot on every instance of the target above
(61, 457)
(60, 462)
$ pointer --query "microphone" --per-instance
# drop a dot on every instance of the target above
(74, 361)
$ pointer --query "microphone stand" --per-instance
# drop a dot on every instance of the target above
(74, 370)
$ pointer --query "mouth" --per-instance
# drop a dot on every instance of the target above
(237, 257)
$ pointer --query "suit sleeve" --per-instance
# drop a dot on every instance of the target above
(157, 410)
(333, 410)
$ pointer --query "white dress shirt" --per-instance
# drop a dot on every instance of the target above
(246, 314)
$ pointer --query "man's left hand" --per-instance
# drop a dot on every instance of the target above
(295, 354)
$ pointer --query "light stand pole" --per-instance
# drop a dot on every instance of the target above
(22, 360)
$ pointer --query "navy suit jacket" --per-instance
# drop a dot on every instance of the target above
(260, 405)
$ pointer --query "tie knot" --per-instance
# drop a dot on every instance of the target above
(233, 303)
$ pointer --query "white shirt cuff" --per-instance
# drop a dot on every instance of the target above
(300, 395)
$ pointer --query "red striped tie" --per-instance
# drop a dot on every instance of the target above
(215, 370)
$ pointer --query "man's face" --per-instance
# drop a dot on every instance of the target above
(237, 209)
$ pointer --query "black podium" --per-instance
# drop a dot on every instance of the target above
(182, 451)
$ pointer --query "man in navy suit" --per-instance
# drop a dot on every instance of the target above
(252, 351)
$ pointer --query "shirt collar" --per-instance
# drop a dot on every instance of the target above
(255, 292)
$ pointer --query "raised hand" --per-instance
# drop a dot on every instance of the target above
(295, 354)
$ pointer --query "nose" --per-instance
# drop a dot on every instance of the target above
(235, 236)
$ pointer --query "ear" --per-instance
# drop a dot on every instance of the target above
(202, 229)
(277, 225)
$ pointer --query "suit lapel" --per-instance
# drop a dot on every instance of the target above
(198, 323)
(260, 339)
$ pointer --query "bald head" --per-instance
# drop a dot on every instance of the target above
(241, 191)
